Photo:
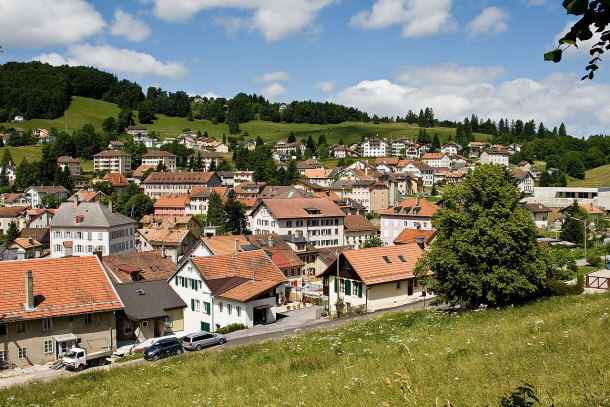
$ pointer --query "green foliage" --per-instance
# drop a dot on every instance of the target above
(522, 396)
(7, 157)
(486, 250)
(560, 288)
(12, 233)
(372, 241)
(594, 260)
(235, 213)
(573, 230)
(146, 112)
(216, 214)
(230, 328)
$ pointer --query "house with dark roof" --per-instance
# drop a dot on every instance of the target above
(36, 193)
(283, 257)
(151, 309)
(14, 199)
(42, 316)
(8, 214)
(82, 228)
(525, 180)
(539, 212)
(230, 288)
(41, 235)
(112, 161)
(138, 266)
(358, 230)
(73, 164)
(162, 183)
(376, 278)
(26, 248)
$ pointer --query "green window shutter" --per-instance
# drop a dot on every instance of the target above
(348, 287)
(207, 308)
(205, 326)
(176, 280)
(192, 304)
(360, 289)
(336, 284)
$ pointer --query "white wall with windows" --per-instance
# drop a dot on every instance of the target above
(83, 241)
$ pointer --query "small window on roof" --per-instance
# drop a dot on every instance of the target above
(387, 259)
(401, 257)
(140, 291)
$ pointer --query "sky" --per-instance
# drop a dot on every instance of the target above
(385, 57)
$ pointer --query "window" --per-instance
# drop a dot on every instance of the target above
(238, 310)
(20, 327)
(3, 356)
(3, 329)
(220, 306)
(46, 324)
(387, 259)
(398, 285)
(206, 307)
(229, 309)
(168, 321)
(341, 285)
(355, 288)
(58, 248)
(22, 353)
(197, 305)
(88, 318)
(288, 223)
(47, 346)
(79, 248)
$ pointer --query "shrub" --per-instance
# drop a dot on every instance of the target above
(129, 357)
(231, 328)
(559, 288)
(594, 260)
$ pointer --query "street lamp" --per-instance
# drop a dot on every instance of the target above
(584, 223)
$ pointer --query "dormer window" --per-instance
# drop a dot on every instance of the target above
(80, 218)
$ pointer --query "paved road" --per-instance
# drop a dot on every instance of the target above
(290, 323)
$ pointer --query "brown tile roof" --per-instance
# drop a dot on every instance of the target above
(419, 165)
(249, 202)
(224, 244)
(165, 236)
(116, 179)
(297, 208)
(206, 192)
(86, 196)
(169, 220)
(206, 154)
(536, 207)
(25, 242)
(151, 265)
(317, 173)
(39, 234)
(178, 177)
(158, 153)
(518, 174)
(172, 201)
(82, 286)
(142, 169)
(49, 189)
(241, 265)
(239, 189)
(281, 252)
(427, 208)
(386, 160)
(429, 156)
(372, 268)
(112, 153)
(10, 197)
(410, 235)
(249, 290)
(12, 211)
(496, 150)
(66, 159)
(355, 223)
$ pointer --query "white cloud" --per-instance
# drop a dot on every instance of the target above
(127, 26)
(39, 23)
(272, 77)
(325, 86)
(112, 59)
(275, 19)
(273, 91)
(582, 105)
(535, 2)
(583, 46)
(491, 21)
(419, 18)
(447, 74)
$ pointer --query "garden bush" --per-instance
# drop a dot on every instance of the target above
(231, 328)
(594, 260)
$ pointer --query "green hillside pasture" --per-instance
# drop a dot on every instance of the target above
(596, 177)
(556, 345)
(81, 111)
(31, 153)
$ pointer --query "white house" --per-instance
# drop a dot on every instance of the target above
(319, 220)
(436, 160)
(413, 213)
(80, 229)
(236, 288)
(375, 146)
(495, 156)
(137, 130)
(112, 161)
(451, 148)
(358, 230)
(153, 158)
(34, 194)
(540, 214)
(525, 181)
(372, 279)
(421, 170)
(158, 184)
(221, 148)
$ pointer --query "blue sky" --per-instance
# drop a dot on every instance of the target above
(383, 56)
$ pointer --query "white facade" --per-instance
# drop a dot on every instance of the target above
(120, 163)
(375, 147)
(427, 175)
(392, 225)
(437, 160)
(208, 312)
(495, 157)
(526, 184)
(168, 161)
(83, 241)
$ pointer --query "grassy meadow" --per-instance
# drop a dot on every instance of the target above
(31, 153)
(424, 358)
(596, 177)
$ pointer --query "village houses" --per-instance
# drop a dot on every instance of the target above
(412, 213)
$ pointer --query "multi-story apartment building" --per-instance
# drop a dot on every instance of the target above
(411, 213)
(375, 146)
(319, 220)
(358, 230)
(206, 157)
(137, 130)
(112, 161)
(153, 158)
(495, 156)
(163, 183)
(73, 164)
(436, 160)
(421, 170)
(371, 194)
(36, 193)
(80, 229)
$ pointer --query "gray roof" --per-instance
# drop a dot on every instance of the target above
(94, 215)
(157, 297)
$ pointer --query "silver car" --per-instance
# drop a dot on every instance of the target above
(199, 340)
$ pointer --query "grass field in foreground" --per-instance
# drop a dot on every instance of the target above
(596, 177)
(557, 345)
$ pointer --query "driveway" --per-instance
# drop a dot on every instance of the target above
(289, 323)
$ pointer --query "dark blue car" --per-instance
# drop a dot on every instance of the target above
(163, 348)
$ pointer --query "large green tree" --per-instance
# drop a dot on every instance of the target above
(216, 215)
(235, 213)
(12, 233)
(573, 228)
(486, 250)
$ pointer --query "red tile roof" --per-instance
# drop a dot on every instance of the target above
(410, 236)
(297, 208)
(429, 156)
(172, 201)
(590, 208)
(242, 264)
(142, 169)
(63, 286)
(224, 244)
(116, 179)
(358, 223)
(427, 208)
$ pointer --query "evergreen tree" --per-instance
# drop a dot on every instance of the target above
(562, 130)
(235, 213)
(259, 141)
(310, 144)
(292, 172)
(7, 158)
(233, 122)
(573, 230)
(291, 138)
(224, 166)
(224, 138)
(436, 144)
(322, 140)
(216, 213)
(12, 233)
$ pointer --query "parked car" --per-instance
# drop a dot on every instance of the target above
(163, 348)
(199, 340)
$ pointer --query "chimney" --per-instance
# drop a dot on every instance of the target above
(236, 247)
(270, 241)
(417, 200)
(30, 240)
(253, 276)
(110, 206)
(29, 290)
(163, 255)
(420, 242)
(98, 254)
(76, 200)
